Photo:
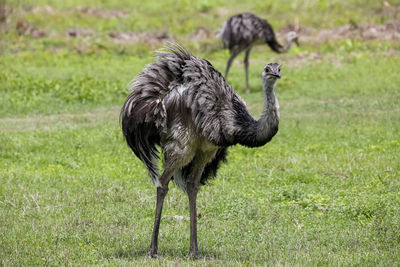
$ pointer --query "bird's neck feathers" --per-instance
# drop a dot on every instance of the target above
(268, 123)
(254, 133)
(286, 47)
(277, 47)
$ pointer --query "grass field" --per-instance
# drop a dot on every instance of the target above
(324, 191)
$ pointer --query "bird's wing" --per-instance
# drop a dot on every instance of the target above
(210, 100)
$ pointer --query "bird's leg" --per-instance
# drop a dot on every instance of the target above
(161, 193)
(192, 189)
(230, 60)
(246, 69)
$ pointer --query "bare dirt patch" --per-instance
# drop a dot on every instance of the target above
(91, 11)
(390, 11)
(299, 60)
(24, 28)
(144, 37)
(42, 9)
(224, 11)
(304, 58)
(102, 13)
(79, 32)
(201, 33)
(389, 31)
(4, 11)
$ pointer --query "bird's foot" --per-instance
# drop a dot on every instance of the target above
(153, 253)
(195, 255)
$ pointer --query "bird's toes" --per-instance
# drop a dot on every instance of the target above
(153, 254)
(195, 256)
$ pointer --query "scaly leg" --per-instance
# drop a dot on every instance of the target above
(192, 189)
(161, 193)
(246, 68)
(232, 57)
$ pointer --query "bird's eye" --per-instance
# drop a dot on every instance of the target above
(266, 70)
(279, 69)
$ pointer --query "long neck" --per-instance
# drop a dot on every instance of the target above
(257, 133)
(277, 47)
(287, 46)
(268, 123)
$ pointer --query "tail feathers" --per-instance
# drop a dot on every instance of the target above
(145, 104)
(142, 139)
(143, 115)
(173, 52)
(221, 31)
(225, 34)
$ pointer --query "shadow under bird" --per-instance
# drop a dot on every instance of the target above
(183, 105)
(240, 32)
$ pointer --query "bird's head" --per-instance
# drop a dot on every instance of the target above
(292, 37)
(271, 73)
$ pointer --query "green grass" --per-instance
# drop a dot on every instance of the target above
(324, 191)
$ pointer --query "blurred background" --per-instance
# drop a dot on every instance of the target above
(106, 43)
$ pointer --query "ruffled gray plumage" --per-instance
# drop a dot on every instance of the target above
(184, 105)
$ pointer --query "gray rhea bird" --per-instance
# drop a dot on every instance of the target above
(183, 105)
(240, 32)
